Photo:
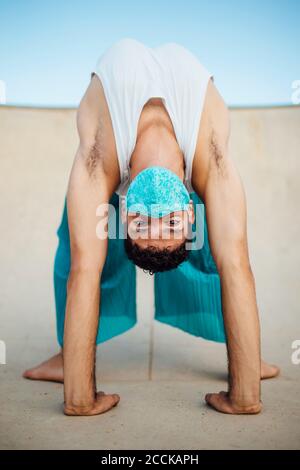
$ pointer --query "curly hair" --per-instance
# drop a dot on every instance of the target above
(153, 260)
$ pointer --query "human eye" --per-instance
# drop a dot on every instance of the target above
(140, 224)
(174, 221)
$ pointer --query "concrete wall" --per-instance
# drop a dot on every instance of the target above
(153, 366)
(37, 148)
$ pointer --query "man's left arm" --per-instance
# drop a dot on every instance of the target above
(224, 198)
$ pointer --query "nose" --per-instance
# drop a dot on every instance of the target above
(155, 228)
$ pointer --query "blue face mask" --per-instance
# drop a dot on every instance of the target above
(156, 192)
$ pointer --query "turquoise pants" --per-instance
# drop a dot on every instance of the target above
(188, 297)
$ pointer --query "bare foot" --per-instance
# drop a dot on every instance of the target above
(223, 403)
(50, 370)
(103, 402)
(268, 371)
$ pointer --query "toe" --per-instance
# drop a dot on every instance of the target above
(207, 397)
(28, 374)
(116, 398)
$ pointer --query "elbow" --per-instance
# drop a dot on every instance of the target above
(85, 270)
(82, 278)
(234, 261)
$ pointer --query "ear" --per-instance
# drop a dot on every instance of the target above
(191, 212)
(123, 210)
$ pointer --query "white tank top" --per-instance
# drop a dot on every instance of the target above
(132, 73)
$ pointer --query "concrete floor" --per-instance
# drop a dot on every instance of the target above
(161, 373)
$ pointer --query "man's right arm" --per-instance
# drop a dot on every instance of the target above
(89, 186)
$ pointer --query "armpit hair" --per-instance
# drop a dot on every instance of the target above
(214, 149)
(218, 155)
(95, 155)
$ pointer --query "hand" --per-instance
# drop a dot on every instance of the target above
(103, 402)
(222, 402)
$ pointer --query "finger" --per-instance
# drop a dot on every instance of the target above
(117, 398)
(105, 403)
(219, 402)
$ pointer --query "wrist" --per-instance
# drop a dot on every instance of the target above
(245, 390)
(244, 401)
(77, 409)
(247, 406)
(79, 405)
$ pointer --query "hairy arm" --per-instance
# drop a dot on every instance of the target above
(224, 198)
(88, 188)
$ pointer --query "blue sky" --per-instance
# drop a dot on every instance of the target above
(48, 48)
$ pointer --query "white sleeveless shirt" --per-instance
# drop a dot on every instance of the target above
(132, 73)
